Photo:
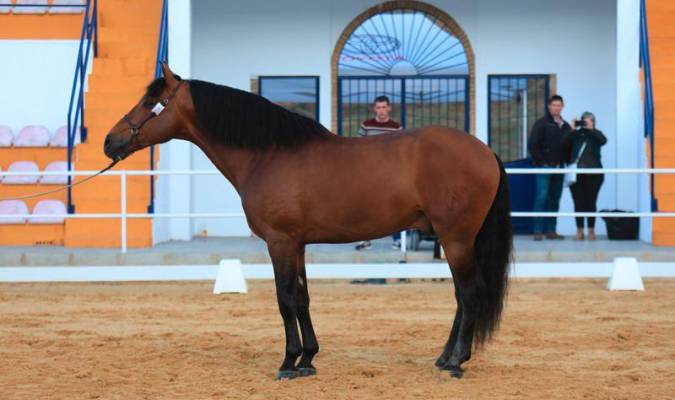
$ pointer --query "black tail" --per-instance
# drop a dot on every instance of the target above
(493, 248)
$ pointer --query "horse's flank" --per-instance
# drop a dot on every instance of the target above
(345, 189)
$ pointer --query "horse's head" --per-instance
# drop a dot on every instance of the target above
(155, 119)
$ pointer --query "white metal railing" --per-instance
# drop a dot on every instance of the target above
(124, 216)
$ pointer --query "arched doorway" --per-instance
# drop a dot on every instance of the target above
(414, 53)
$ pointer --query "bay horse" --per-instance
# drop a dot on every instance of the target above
(299, 184)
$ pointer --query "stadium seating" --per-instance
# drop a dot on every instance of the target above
(60, 138)
(32, 136)
(6, 136)
(67, 10)
(15, 207)
(31, 10)
(20, 166)
(48, 207)
(55, 179)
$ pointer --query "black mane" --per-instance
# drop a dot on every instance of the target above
(243, 119)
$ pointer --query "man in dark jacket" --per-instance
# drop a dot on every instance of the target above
(548, 146)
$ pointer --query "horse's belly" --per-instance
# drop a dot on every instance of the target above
(363, 210)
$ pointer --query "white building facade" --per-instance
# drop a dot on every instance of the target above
(585, 51)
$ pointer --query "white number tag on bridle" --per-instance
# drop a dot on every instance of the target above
(157, 109)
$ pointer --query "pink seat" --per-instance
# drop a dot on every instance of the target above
(21, 166)
(6, 136)
(60, 138)
(48, 207)
(55, 179)
(32, 136)
(31, 10)
(67, 10)
(13, 207)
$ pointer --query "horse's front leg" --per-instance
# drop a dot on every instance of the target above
(310, 346)
(284, 253)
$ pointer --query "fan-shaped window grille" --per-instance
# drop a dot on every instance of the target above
(403, 42)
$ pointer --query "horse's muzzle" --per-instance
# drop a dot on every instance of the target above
(114, 148)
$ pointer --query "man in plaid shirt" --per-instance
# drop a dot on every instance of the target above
(382, 123)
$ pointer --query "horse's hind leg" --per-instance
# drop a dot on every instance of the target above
(458, 348)
(450, 344)
(284, 253)
(310, 346)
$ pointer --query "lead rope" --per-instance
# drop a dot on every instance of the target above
(30, 196)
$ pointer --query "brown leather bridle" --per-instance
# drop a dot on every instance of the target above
(156, 110)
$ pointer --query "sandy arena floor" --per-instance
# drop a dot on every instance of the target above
(560, 339)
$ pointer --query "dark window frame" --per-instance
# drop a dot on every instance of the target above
(403, 79)
(548, 79)
(317, 87)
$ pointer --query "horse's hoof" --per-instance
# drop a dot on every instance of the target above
(307, 371)
(455, 371)
(440, 362)
(292, 374)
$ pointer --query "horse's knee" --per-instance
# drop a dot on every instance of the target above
(287, 305)
(310, 349)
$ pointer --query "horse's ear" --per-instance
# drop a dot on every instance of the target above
(168, 74)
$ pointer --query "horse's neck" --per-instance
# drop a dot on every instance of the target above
(234, 163)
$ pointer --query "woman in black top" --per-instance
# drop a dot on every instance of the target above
(585, 190)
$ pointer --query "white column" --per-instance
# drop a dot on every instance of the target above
(628, 102)
(174, 192)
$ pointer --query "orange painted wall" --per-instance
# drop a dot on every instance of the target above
(40, 26)
(128, 33)
(660, 14)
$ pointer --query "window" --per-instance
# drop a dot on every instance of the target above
(516, 102)
(299, 94)
(415, 101)
(403, 42)
(413, 57)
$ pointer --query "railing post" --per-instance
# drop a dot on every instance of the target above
(95, 22)
(162, 48)
(123, 209)
(404, 240)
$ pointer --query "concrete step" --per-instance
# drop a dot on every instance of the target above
(664, 146)
(113, 50)
(652, 6)
(665, 162)
(107, 233)
(94, 159)
(9, 191)
(664, 126)
(664, 185)
(664, 74)
(665, 108)
(39, 155)
(128, 34)
(115, 88)
(667, 204)
(138, 15)
(32, 235)
(101, 204)
(663, 239)
(98, 80)
(104, 118)
(120, 101)
(661, 46)
(121, 66)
